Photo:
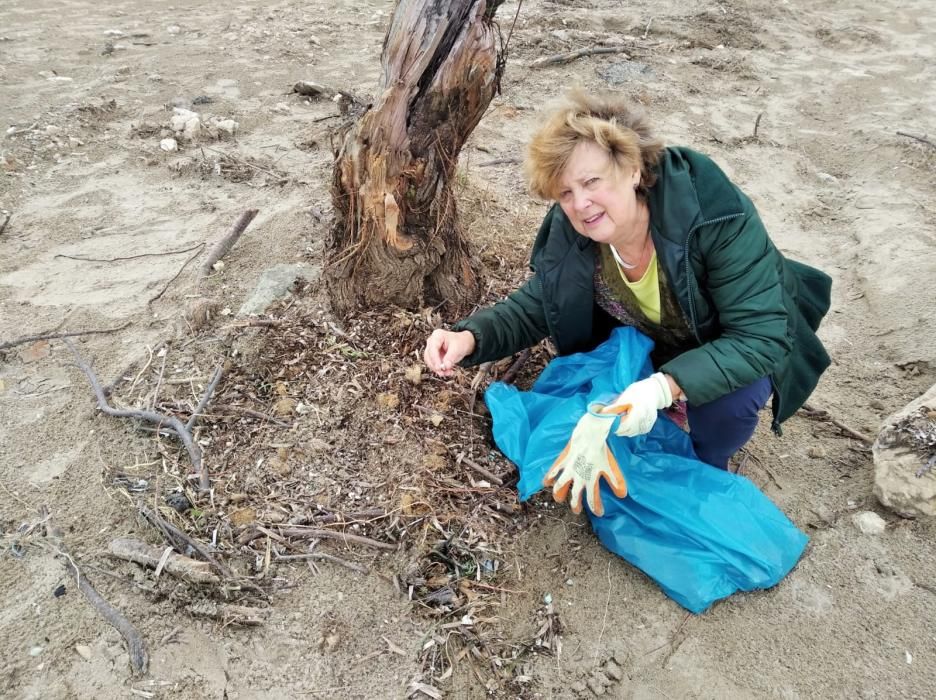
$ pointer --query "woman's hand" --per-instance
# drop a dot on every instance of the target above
(445, 349)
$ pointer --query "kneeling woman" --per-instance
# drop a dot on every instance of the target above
(659, 239)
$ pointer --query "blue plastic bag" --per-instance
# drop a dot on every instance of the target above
(700, 532)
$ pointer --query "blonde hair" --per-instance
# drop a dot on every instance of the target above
(616, 125)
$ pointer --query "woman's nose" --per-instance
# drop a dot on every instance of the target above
(581, 201)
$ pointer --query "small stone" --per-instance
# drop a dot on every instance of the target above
(579, 687)
(595, 686)
(613, 670)
(227, 126)
(35, 651)
(870, 523)
(877, 405)
(84, 651)
(281, 108)
(173, 29)
(620, 658)
(169, 145)
(154, 78)
(817, 452)
(436, 419)
(331, 641)
(826, 177)
(414, 374)
(602, 678)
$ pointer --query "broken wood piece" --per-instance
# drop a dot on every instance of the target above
(7, 215)
(176, 275)
(161, 420)
(221, 248)
(175, 564)
(139, 658)
(181, 540)
(228, 614)
(822, 414)
(562, 58)
(515, 368)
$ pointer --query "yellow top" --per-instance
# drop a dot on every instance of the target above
(646, 289)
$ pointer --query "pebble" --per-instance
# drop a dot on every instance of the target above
(84, 651)
(826, 177)
(169, 145)
(595, 686)
(228, 126)
(613, 670)
(173, 29)
(870, 523)
(817, 452)
(35, 651)
(578, 687)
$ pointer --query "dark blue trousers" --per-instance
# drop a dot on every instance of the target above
(721, 427)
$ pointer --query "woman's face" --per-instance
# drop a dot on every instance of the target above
(601, 203)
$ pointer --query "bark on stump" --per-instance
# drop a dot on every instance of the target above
(396, 238)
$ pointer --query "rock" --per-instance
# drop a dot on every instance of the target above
(227, 126)
(613, 671)
(169, 145)
(896, 464)
(870, 523)
(826, 177)
(312, 89)
(595, 686)
(84, 651)
(817, 452)
(624, 72)
(185, 122)
(578, 687)
(274, 283)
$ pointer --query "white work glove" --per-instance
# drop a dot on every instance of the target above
(585, 459)
(638, 405)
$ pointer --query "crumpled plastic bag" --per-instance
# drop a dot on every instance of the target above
(700, 532)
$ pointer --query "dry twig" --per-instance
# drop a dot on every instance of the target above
(180, 540)
(304, 533)
(7, 215)
(160, 420)
(562, 58)
(131, 257)
(206, 397)
(921, 139)
(139, 659)
(321, 556)
(53, 336)
(176, 275)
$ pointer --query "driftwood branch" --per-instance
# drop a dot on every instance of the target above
(562, 58)
(176, 564)
(821, 414)
(52, 336)
(160, 420)
(221, 248)
(139, 659)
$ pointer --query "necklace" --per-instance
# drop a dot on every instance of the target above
(632, 266)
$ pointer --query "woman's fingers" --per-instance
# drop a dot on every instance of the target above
(445, 349)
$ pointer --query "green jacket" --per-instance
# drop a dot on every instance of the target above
(753, 312)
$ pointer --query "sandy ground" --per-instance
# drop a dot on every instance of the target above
(800, 102)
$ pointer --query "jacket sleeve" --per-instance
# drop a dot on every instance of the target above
(517, 322)
(743, 280)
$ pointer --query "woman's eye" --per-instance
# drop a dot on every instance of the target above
(565, 194)
(591, 181)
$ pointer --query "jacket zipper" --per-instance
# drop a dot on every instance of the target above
(692, 316)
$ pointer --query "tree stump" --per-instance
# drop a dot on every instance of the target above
(396, 238)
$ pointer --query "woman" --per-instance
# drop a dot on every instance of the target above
(659, 239)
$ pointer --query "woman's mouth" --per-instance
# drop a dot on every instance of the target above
(591, 221)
